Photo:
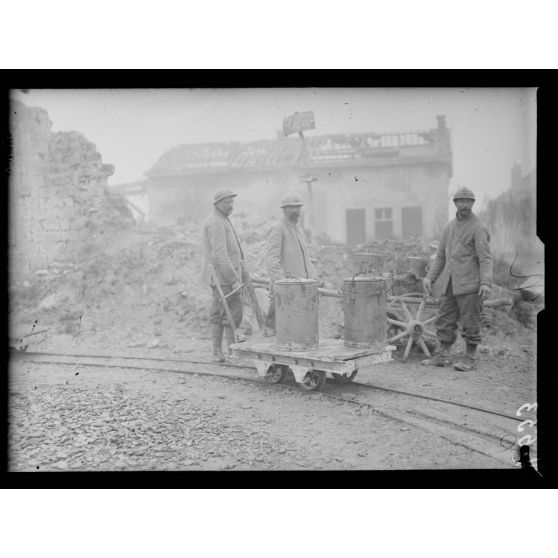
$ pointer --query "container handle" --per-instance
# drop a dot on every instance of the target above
(359, 273)
(288, 273)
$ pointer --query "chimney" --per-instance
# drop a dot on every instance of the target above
(441, 118)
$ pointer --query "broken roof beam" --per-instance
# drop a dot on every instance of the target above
(426, 145)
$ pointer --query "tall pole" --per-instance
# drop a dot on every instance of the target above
(309, 179)
(298, 122)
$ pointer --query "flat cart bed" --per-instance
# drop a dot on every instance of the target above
(310, 367)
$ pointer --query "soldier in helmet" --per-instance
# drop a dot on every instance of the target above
(465, 262)
(221, 248)
(286, 248)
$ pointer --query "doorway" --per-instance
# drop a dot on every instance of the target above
(383, 223)
(356, 226)
(411, 221)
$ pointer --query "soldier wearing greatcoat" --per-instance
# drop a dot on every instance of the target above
(286, 249)
(464, 264)
(222, 249)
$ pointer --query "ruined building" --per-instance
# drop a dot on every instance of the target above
(512, 219)
(57, 195)
(358, 187)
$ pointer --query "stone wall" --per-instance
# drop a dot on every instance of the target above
(57, 193)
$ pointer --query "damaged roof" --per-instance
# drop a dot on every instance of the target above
(367, 149)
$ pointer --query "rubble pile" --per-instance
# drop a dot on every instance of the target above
(393, 249)
(142, 285)
(143, 279)
(252, 235)
(335, 263)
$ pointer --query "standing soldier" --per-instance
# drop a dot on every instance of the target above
(286, 249)
(221, 249)
(465, 260)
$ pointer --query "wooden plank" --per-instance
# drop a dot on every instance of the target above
(330, 351)
(370, 360)
(339, 366)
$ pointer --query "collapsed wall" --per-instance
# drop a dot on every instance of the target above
(518, 252)
(57, 193)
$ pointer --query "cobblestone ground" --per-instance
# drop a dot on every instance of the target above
(63, 418)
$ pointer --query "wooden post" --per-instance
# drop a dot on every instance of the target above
(308, 179)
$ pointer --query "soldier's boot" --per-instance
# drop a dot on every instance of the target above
(469, 362)
(229, 340)
(443, 358)
(217, 337)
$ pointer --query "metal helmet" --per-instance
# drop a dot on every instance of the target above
(464, 194)
(291, 198)
(222, 194)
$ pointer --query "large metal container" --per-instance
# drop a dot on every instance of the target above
(296, 314)
(364, 301)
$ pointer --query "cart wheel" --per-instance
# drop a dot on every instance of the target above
(412, 327)
(313, 380)
(393, 330)
(275, 374)
(343, 378)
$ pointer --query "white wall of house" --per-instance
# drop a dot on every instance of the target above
(336, 190)
(422, 185)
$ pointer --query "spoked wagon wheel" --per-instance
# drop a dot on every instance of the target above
(275, 373)
(343, 378)
(393, 330)
(313, 380)
(415, 327)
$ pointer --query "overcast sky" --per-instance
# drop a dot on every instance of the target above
(491, 128)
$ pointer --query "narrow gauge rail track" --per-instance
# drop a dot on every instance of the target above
(246, 366)
(386, 402)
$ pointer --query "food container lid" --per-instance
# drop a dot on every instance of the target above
(295, 281)
(365, 279)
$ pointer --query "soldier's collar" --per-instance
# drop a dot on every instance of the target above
(290, 223)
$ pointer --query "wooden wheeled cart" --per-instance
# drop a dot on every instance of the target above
(311, 367)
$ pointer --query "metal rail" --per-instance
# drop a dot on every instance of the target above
(246, 366)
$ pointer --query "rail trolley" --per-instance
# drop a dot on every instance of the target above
(310, 368)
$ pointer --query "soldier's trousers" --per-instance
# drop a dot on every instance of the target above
(465, 307)
(234, 302)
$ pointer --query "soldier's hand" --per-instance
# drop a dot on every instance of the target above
(427, 284)
(484, 292)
